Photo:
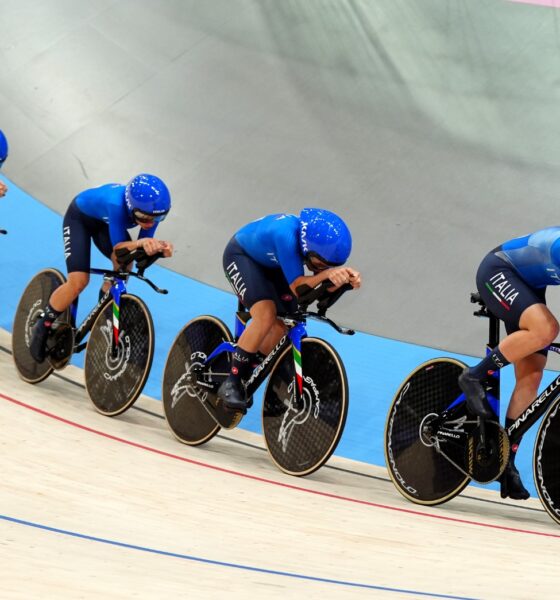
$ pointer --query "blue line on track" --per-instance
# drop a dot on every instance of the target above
(226, 564)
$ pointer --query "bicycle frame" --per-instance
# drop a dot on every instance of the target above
(296, 332)
(118, 288)
(540, 404)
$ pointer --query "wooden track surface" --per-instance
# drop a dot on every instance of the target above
(94, 507)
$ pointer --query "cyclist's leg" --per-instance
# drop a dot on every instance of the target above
(538, 328)
(523, 310)
(276, 333)
(76, 239)
(102, 240)
(528, 376)
(285, 303)
(254, 289)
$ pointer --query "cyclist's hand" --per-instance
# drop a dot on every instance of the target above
(3, 189)
(152, 246)
(339, 276)
(355, 278)
(167, 249)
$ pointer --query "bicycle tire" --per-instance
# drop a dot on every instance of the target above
(113, 383)
(546, 467)
(186, 417)
(31, 304)
(300, 439)
(419, 472)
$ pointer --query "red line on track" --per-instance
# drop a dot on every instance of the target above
(296, 488)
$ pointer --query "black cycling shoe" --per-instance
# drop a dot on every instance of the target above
(38, 345)
(232, 394)
(511, 485)
(475, 395)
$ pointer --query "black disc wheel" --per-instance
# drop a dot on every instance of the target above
(418, 470)
(301, 434)
(116, 371)
(546, 466)
(182, 398)
(31, 305)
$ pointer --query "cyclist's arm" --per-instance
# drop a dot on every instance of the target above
(338, 276)
(150, 246)
(310, 280)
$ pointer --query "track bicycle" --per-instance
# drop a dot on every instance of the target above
(434, 446)
(120, 347)
(305, 401)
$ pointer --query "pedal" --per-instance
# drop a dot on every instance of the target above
(60, 346)
(485, 462)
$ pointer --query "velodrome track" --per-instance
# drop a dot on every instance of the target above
(427, 125)
(94, 507)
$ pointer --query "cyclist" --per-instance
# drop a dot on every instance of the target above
(264, 264)
(512, 280)
(104, 214)
(3, 157)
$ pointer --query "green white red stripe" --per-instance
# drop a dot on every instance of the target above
(116, 314)
(504, 304)
(299, 371)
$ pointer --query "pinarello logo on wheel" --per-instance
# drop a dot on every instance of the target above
(234, 370)
(116, 362)
(295, 414)
(183, 386)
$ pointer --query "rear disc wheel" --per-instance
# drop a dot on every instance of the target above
(421, 473)
(185, 415)
(30, 307)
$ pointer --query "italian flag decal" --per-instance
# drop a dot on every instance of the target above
(299, 372)
(504, 304)
(116, 322)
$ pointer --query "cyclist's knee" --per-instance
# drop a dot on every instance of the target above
(547, 331)
(78, 282)
(263, 314)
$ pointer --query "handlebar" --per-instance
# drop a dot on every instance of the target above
(325, 299)
(143, 261)
(319, 317)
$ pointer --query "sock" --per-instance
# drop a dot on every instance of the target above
(49, 315)
(494, 360)
(241, 364)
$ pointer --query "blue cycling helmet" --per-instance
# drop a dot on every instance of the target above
(3, 148)
(147, 198)
(324, 235)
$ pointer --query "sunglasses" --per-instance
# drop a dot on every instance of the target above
(141, 217)
(316, 263)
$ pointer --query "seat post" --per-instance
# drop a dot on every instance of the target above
(493, 331)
